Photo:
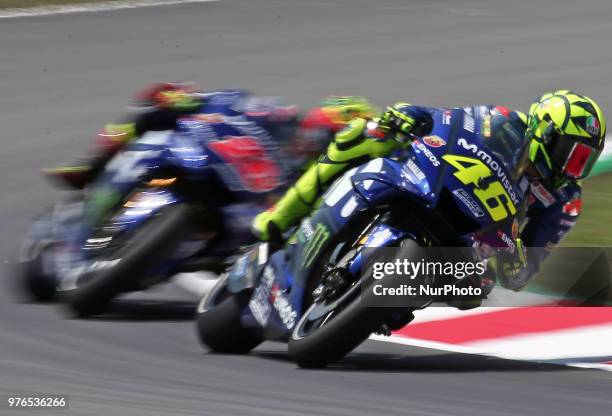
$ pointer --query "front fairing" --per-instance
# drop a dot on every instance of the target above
(119, 189)
(141, 160)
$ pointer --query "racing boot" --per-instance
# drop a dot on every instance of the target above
(271, 224)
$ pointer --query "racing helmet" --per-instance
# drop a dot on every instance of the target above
(172, 95)
(566, 134)
(321, 123)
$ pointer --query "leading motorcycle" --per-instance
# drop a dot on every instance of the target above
(456, 187)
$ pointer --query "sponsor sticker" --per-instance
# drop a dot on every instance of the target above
(507, 240)
(486, 126)
(469, 202)
(468, 123)
(314, 244)
(283, 307)
(415, 170)
(259, 304)
(434, 141)
(447, 117)
(432, 158)
(515, 229)
(541, 193)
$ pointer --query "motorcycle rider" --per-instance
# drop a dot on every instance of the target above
(158, 107)
(319, 126)
(564, 133)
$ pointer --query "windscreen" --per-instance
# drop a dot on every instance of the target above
(507, 142)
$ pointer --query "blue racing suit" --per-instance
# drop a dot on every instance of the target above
(166, 104)
(553, 207)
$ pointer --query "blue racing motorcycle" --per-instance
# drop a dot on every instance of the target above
(170, 201)
(460, 186)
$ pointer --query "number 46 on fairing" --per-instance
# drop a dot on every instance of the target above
(494, 197)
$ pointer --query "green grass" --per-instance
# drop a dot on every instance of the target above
(33, 3)
(564, 273)
(594, 227)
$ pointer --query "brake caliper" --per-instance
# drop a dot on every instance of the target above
(333, 283)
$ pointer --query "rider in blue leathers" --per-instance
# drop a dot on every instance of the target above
(294, 138)
(563, 135)
(159, 107)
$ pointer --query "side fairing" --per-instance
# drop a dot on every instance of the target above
(242, 155)
(279, 292)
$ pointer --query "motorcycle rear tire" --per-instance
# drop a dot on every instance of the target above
(220, 329)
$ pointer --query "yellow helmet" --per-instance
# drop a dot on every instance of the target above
(566, 134)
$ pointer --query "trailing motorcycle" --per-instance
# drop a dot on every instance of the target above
(169, 201)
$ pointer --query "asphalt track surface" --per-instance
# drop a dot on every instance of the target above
(62, 76)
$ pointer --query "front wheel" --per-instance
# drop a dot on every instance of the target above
(36, 281)
(157, 239)
(324, 335)
(331, 328)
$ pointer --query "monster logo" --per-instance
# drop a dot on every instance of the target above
(314, 244)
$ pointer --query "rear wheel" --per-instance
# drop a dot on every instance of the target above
(157, 239)
(218, 324)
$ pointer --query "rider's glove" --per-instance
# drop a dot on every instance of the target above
(395, 120)
(511, 268)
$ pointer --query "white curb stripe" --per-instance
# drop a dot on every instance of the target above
(583, 342)
(196, 283)
(576, 345)
(605, 367)
(89, 7)
(415, 342)
(443, 313)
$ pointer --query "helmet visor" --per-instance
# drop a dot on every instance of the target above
(574, 159)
